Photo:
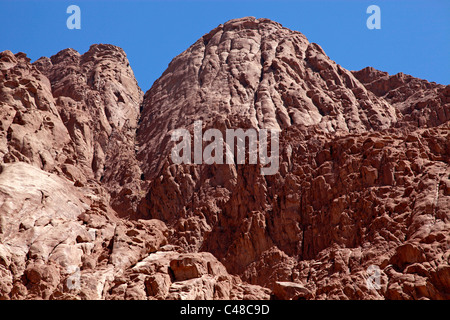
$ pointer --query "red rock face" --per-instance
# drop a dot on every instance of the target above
(93, 207)
(98, 101)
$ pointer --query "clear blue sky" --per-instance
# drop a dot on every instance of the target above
(414, 36)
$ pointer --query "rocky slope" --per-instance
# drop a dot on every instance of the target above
(92, 206)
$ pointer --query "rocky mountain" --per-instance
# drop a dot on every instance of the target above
(93, 207)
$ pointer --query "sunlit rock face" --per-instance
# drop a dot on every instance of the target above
(92, 206)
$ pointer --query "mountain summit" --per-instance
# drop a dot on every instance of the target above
(262, 75)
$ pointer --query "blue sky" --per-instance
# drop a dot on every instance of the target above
(414, 37)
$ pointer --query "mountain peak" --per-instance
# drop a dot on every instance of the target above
(263, 74)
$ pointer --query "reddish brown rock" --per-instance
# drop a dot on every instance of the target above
(98, 100)
(422, 103)
(92, 207)
(356, 173)
(182, 276)
(290, 290)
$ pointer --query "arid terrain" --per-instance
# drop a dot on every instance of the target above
(93, 207)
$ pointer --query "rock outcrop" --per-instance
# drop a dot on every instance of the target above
(93, 207)
(422, 103)
(98, 100)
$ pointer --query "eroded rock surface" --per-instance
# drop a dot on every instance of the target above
(93, 207)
